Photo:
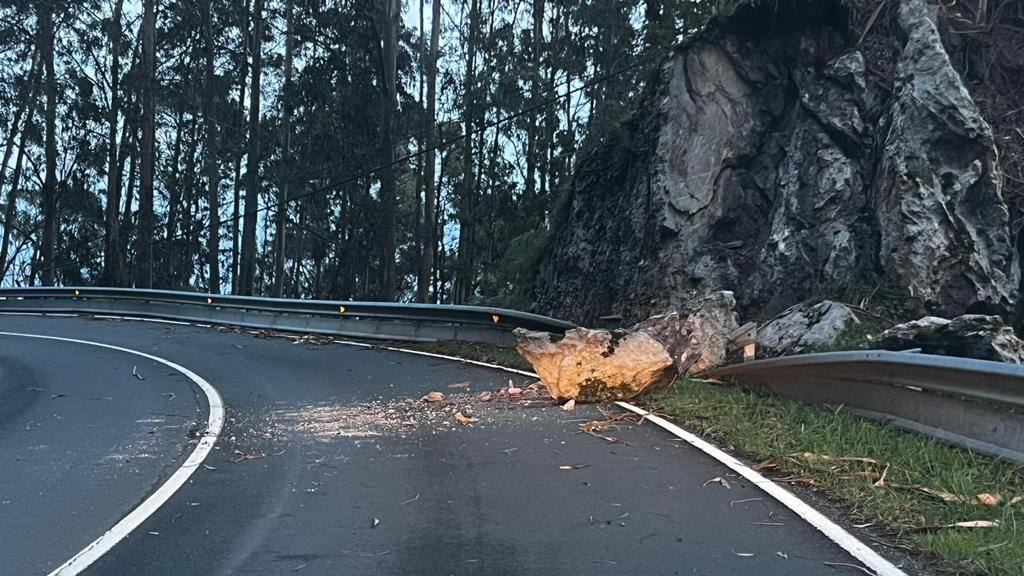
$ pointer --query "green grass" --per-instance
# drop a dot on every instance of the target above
(767, 427)
(473, 351)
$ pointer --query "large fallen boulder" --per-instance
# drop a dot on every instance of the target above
(968, 336)
(599, 365)
(805, 327)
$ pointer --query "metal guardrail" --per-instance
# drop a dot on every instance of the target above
(377, 320)
(973, 403)
(976, 404)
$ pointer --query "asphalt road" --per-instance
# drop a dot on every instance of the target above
(329, 464)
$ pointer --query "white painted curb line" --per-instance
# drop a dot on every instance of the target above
(119, 531)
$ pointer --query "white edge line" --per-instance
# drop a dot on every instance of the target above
(124, 527)
(833, 531)
(871, 559)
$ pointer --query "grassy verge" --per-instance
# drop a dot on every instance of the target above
(473, 351)
(877, 472)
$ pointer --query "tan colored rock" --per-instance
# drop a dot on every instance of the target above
(597, 365)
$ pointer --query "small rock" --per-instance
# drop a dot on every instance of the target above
(806, 326)
(433, 397)
(967, 336)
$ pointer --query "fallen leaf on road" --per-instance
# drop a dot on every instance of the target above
(513, 391)
(881, 480)
(135, 372)
(569, 406)
(573, 467)
(947, 496)
(433, 397)
(375, 523)
(719, 480)
(989, 499)
(243, 456)
(597, 426)
(985, 499)
(782, 554)
(845, 565)
(459, 385)
(964, 524)
(463, 419)
(743, 554)
(812, 457)
(975, 524)
(484, 397)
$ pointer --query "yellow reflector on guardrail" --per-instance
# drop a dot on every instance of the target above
(77, 293)
(495, 318)
(341, 309)
(209, 300)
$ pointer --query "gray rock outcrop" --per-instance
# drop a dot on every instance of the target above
(805, 327)
(778, 166)
(969, 336)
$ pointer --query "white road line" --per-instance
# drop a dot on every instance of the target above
(871, 559)
(104, 543)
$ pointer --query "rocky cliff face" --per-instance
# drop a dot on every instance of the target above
(774, 161)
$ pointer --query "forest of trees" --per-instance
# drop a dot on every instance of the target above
(347, 149)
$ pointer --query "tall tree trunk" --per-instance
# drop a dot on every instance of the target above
(281, 217)
(169, 255)
(147, 154)
(112, 239)
(536, 43)
(464, 275)
(49, 194)
(184, 265)
(429, 193)
(210, 168)
(11, 209)
(391, 13)
(296, 263)
(26, 98)
(26, 103)
(252, 165)
(236, 200)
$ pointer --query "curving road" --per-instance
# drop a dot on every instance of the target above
(328, 464)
